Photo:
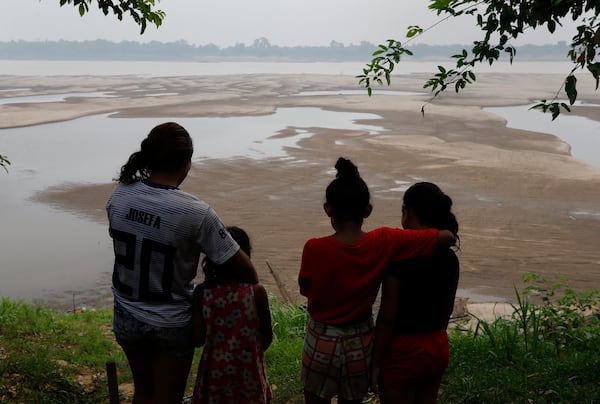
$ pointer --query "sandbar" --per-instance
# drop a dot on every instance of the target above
(524, 204)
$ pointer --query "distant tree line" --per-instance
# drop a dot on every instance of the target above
(259, 49)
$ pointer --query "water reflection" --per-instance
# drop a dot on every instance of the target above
(36, 99)
(170, 69)
(43, 249)
(358, 92)
(582, 134)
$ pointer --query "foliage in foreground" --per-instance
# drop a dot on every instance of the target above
(52, 357)
(500, 22)
(548, 351)
(141, 12)
(47, 356)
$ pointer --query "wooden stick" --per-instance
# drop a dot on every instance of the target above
(280, 285)
(113, 384)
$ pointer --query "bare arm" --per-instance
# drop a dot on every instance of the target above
(384, 327)
(446, 238)
(264, 315)
(243, 267)
(303, 275)
(198, 326)
(304, 284)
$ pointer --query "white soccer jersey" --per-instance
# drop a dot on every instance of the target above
(158, 236)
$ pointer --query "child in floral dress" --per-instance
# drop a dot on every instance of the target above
(232, 320)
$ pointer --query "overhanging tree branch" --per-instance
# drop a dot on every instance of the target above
(141, 12)
(500, 21)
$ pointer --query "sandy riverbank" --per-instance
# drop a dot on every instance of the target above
(521, 200)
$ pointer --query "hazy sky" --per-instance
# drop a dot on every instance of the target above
(227, 22)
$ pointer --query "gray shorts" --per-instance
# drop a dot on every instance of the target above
(136, 336)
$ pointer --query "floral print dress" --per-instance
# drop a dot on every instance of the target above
(232, 367)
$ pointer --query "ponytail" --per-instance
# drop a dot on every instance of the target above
(168, 147)
(134, 170)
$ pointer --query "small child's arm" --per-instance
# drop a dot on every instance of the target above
(264, 315)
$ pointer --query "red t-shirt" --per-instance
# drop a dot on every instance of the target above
(341, 281)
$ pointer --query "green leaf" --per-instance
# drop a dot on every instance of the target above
(81, 10)
(555, 109)
(511, 51)
(542, 105)
(413, 30)
(595, 70)
(4, 162)
(439, 4)
(571, 88)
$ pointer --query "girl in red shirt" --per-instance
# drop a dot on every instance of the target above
(340, 275)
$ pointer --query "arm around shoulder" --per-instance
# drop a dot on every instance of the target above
(243, 267)
(446, 238)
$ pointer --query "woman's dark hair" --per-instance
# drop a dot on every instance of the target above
(432, 206)
(214, 273)
(168, 147)
(348, 194)
(241, 237)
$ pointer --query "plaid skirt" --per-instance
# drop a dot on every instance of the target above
(337, 360)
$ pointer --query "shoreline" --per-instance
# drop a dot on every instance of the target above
(514, 191)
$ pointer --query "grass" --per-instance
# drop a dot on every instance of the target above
(52, 357)
(548, 351)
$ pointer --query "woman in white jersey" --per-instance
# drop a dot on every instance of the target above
(159, 233)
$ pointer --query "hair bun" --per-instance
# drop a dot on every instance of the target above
(346, 170)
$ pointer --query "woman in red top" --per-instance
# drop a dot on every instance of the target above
(411, 351)
(340, 275)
